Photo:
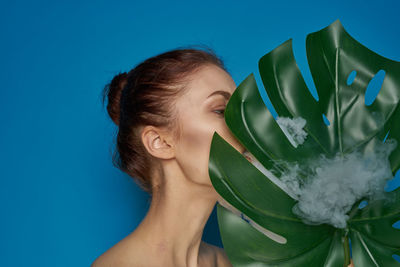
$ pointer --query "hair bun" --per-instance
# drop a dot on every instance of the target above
(113, 92)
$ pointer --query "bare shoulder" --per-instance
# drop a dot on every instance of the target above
(220, 255)
(121, 254)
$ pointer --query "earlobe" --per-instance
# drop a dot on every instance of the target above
(157, 143)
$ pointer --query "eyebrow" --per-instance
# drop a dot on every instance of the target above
(225, 94)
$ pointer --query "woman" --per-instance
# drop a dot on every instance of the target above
(167, 112)
(167, 109)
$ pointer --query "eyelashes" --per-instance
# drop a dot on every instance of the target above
(220, 112)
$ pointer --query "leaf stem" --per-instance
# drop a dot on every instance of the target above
(346, 247)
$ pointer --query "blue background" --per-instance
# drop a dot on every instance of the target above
(63, 203)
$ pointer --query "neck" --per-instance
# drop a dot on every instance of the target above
(174, 224)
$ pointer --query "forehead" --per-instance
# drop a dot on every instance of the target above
(208, 79)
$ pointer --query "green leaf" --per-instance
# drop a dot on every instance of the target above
(332, 55)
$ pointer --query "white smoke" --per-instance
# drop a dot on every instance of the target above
(293, 129)
(327, 188)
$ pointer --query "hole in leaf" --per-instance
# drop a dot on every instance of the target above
(396, 225)
(363, 204)
(396, 257)
(273, 236)
(351, 77)
(277, 238)
(326, 121)
(241, 216)
(374, 87)
(394, 183)
(300, 56)
(264, 95)
(384, 139)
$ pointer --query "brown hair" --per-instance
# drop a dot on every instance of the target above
(146, 96)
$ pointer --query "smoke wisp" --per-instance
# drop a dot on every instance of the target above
(327, 188)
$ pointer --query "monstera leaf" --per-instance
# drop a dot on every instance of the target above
(287, 241)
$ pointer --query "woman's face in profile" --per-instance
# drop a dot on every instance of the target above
(200, 112)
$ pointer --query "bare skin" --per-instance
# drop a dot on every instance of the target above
(183, 196)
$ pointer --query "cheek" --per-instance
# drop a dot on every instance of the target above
(194, 148)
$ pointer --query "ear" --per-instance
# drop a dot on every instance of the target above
(157, 142)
